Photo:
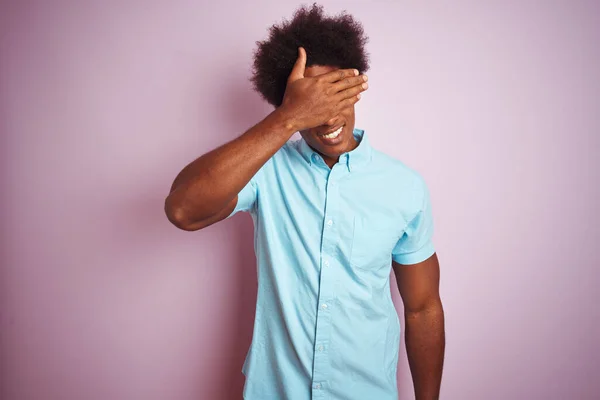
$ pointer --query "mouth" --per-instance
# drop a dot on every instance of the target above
(332, 137)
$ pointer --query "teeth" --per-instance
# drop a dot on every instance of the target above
(334, 134)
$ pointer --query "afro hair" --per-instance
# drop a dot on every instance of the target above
(329, 41)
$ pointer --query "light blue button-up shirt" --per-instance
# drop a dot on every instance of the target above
(325, 325)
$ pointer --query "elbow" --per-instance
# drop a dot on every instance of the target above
(428, 308)
(178, 217)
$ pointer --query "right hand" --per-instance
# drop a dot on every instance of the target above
(311, 102)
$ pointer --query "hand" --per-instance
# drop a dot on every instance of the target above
(310, 102)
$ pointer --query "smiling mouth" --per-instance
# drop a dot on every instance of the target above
(332, 134)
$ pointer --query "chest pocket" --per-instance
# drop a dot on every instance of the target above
(373, 241)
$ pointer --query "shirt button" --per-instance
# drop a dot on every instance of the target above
(318, 386)
(323, 306)
(320, 348)
(326, 263)
(330, 222)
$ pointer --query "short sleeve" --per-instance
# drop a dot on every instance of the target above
(248, 196)
(416, 245)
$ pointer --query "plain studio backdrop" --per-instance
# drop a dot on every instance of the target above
(496, 104)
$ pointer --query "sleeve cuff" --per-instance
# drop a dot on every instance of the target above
(416, 256)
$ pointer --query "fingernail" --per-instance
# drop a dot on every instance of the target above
(365, 78)
(365, 85)
(355, 72)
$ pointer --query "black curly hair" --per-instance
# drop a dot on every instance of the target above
(332, 41)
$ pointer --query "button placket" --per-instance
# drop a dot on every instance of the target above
(322, 364)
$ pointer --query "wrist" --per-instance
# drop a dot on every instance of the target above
(284, 120)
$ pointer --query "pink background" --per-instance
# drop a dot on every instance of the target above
(495, 103)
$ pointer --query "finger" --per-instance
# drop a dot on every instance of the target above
(349, 102)
(353, 91)
(349, 82)
(339, 74)
(299, 66)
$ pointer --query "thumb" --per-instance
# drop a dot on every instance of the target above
(299, 66)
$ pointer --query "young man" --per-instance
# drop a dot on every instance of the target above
(331, 216)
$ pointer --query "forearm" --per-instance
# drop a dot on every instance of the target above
(209, 183)
(425, 345)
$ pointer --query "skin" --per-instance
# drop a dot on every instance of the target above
(425, 340)
(317, 99)
(331, 154)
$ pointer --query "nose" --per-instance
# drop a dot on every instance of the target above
(332, 121)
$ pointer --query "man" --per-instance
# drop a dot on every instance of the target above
(331, 216)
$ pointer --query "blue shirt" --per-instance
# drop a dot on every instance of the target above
(325, 325)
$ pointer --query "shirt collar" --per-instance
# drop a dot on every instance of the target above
(354, 159)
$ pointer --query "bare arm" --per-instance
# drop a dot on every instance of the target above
(206, 190)
(210, 184)
(424, 319)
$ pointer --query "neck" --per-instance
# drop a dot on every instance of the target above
(331, 161)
